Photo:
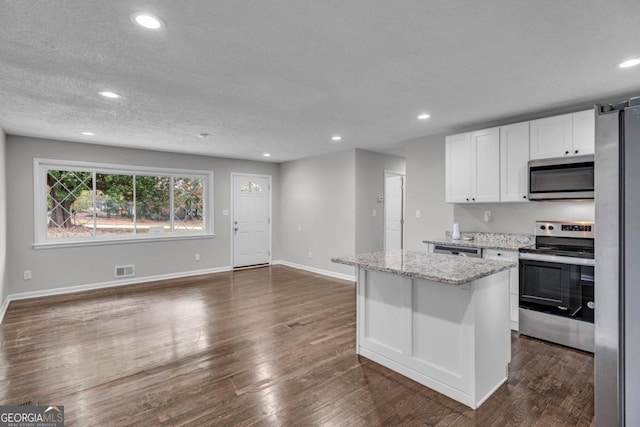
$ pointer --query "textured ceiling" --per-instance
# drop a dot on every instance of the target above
(284, 76)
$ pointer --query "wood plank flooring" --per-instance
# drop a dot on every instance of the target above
(270, 346)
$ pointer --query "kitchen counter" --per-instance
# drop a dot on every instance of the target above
(413, 319)
(499, 241)
(452, 270)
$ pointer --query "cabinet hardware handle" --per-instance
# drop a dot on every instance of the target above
(467, 199)
(473, 200)
(566, 152)
(524, 197)
(576, 151)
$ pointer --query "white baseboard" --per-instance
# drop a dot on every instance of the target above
(102, 285)
(349, 277)
(3, 308)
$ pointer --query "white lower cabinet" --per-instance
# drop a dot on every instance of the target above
(514, 282)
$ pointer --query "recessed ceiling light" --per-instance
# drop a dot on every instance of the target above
(88, 133)
(109, 94)
(336, 138)
(629, 63)
(423, 116)
(267, 154)
(148, 21)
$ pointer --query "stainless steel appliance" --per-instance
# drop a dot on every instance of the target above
(557, 284)
(617, 360)
(458, 250)
(561, 178)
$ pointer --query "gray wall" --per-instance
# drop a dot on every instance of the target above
(370, 169)
(519, 217)
(318, 210)
(425, 190)
(62, 267)
(3, 220)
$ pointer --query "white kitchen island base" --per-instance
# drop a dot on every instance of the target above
(454, 339)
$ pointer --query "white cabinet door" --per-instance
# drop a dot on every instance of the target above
(514, 279)
(551, 137)
(485, 165)
(458, 168)
(583, 133)
(514, 155)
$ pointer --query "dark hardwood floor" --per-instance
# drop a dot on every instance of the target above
(268, 346)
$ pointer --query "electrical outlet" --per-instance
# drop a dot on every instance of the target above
(487, 216)
(27, 275)
(197, 257)
(310, 254)
(225, 212)
(418, 214)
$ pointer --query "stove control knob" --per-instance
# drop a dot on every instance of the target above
(542, 227)
(551, 227)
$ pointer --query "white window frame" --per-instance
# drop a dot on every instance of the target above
(41, 166)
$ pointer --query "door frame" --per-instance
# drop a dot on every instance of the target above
(390, 173)
(232, 176)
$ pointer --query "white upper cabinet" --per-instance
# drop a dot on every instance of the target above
(514, 155)
(551, 137)
(458, 168)
(473, 167)
(584, 135)
(565, 135)
(485, 176)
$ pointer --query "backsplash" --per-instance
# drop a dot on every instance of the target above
(519, 218)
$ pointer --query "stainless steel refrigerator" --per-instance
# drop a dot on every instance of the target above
(617, 269)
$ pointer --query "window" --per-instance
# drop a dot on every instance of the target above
(251, 187)
(85, 202)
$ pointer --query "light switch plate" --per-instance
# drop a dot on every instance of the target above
(374, 213)
(418, 214)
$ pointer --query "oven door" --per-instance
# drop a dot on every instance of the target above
(550, 287)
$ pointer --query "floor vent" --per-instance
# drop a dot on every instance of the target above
(124, 271)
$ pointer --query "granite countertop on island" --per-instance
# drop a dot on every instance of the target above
(483, 240)
(450, 269)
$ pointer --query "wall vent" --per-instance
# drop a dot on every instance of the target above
(124, 271)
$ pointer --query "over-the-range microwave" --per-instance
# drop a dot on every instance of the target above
(562, 178)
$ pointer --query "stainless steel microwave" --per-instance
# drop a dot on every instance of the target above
(562, 178)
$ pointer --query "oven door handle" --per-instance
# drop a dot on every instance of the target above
(557, 259)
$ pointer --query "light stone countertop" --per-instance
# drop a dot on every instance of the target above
(500, 241)
(450, 269)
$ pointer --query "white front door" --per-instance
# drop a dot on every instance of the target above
(393, 210)
(250, 222)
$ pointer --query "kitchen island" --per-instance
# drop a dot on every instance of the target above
(441, 320)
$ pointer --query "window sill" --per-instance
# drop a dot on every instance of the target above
(104, 242)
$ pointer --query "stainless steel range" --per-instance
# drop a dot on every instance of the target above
(556, 284)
